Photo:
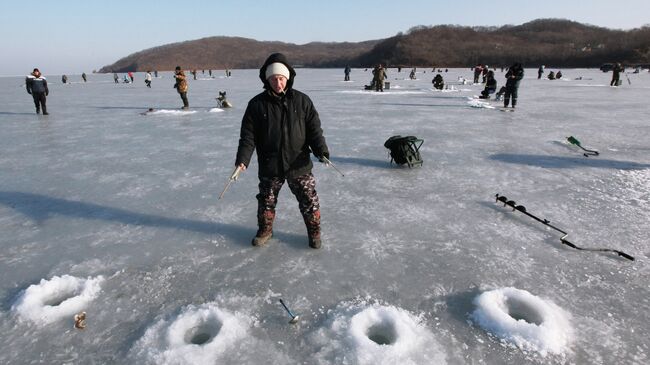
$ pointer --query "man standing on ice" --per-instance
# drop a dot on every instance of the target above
(379, 74)
(616, 74)
(37, 86)
(181, 86)
(282, 124)
(514, 75)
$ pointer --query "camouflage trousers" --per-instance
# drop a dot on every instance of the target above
(304, 189)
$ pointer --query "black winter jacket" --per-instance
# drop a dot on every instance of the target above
(514, 76)
(36, 84)
(491, 85)
(283, 129)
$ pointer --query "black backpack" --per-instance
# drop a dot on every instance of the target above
(405, 150)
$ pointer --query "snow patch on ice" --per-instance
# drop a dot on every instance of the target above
(523, 319)
(215, 110)
(197, 335)
(479, 104)
(171, 112)
(365, 333)
(57, 298)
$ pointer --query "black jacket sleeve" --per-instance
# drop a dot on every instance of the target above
(47, 91)
(315, 137)
(28, 85)
(246, 138)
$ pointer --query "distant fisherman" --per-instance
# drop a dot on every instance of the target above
(147, 79)
(64, 79)
(513, 77)
(379, 74)
(490, 86)
(37, 87)
(438, 82)
(616, 74)
(181, 86)
(83, 76)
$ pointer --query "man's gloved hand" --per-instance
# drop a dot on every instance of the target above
(326, 155)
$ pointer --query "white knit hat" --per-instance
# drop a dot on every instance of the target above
(277, 68)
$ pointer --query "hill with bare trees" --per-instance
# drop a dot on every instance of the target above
(236, 52)
(552, 42)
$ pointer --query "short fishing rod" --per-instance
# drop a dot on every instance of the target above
(329, 163)
(294, 318)
(233, 177)
(573, 140)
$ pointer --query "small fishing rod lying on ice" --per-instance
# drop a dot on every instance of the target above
(546, 222)
(574, 140)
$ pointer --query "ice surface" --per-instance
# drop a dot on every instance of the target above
(96, 188)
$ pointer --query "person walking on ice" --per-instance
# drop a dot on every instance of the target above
(37, 87)
(282, 125)
(147, 79)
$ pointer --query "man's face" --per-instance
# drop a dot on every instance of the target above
(278, 83)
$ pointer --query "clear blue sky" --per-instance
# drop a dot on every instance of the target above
(74, 36)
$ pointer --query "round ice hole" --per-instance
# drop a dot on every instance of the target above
(55, 299)
(382, 333)
(518, 309)
(202, 334)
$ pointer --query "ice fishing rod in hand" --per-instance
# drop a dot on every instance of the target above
(522, 209)
(327, 162)
(233, 177)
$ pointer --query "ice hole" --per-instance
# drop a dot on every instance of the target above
(382, 333)
(202, 334)
(59, 297)
(519, 309)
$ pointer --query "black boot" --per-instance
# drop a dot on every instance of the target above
(265, 227)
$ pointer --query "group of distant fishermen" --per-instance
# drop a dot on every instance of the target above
(37, 84)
